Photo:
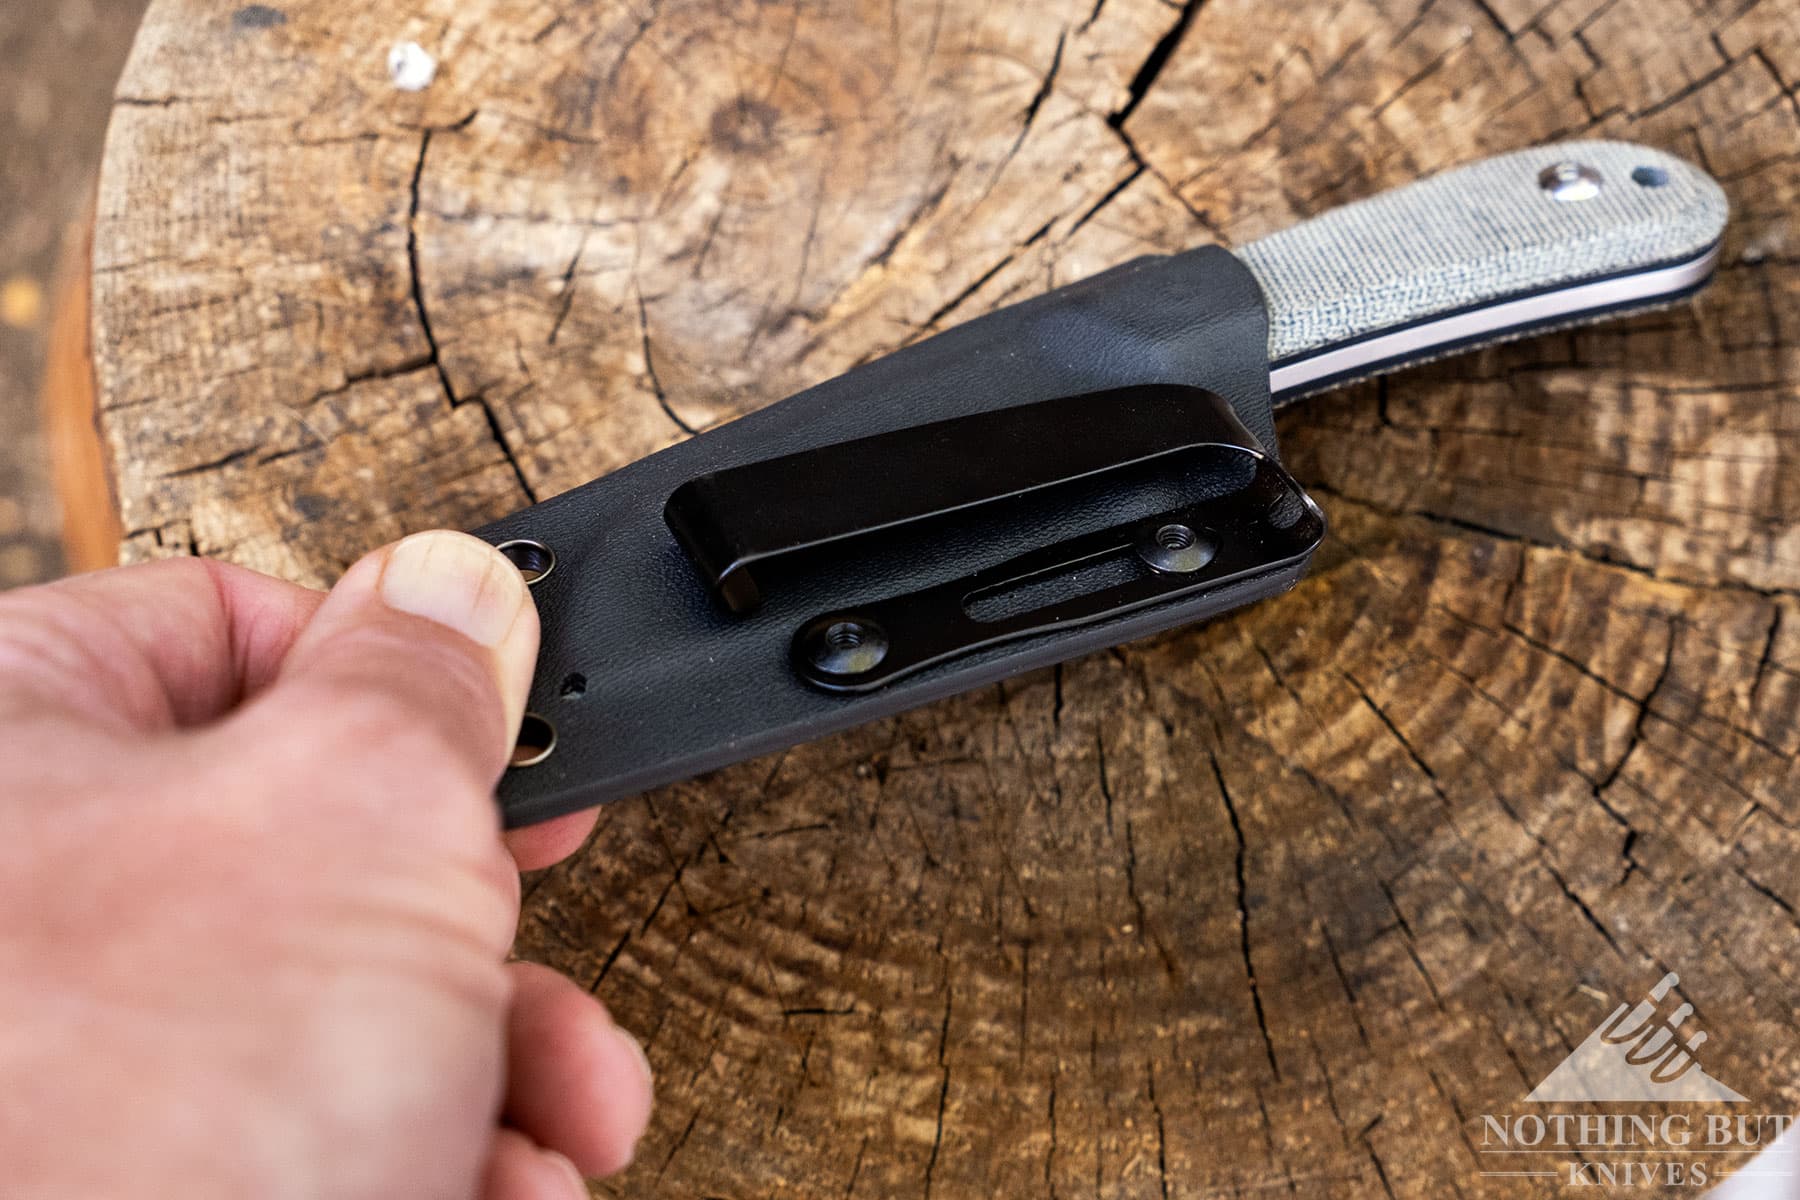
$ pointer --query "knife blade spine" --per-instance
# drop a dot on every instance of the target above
(1486, 324)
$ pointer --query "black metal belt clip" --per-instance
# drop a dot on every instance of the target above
(1007, 524)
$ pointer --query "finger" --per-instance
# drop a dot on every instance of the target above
(576, 1082)
(518, 1169)
(171, 643)
(552, 841)
(420, 659)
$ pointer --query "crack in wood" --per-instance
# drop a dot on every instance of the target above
(656, 387)
(1162, 1134)
(943, 1096)
(1243, 914)
(435, 357)
(1602, 557)
(1152, 67)
(216, 464)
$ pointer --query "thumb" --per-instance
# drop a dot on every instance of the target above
(413, 675)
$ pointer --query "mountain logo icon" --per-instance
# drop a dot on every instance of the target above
(1637, 1055)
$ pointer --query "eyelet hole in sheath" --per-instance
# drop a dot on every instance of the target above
(535, 743)
(534, 559)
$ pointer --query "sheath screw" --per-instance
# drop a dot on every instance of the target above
(1175, 549)
(1569, 182)
(845, 646)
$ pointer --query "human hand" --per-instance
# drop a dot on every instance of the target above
(255, 904)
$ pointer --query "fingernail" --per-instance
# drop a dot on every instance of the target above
(464, 584)
(561, 1164)
(456, 580)
(637, 1051)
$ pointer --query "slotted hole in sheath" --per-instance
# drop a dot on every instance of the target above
(957, 544)
(1027, 595)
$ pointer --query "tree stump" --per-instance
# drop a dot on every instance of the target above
(1282, 903)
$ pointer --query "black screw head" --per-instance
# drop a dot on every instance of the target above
(1175, 549)
(844, 646)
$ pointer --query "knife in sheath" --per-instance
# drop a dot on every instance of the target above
(1089, 466)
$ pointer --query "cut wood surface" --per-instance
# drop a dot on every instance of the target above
(1276, 905)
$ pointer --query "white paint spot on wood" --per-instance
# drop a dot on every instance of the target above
(411, 67)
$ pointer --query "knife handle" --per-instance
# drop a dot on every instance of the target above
(1553, 235)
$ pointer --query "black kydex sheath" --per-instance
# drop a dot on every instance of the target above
(842, 555)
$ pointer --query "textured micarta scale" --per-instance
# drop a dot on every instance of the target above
(1478, 234)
